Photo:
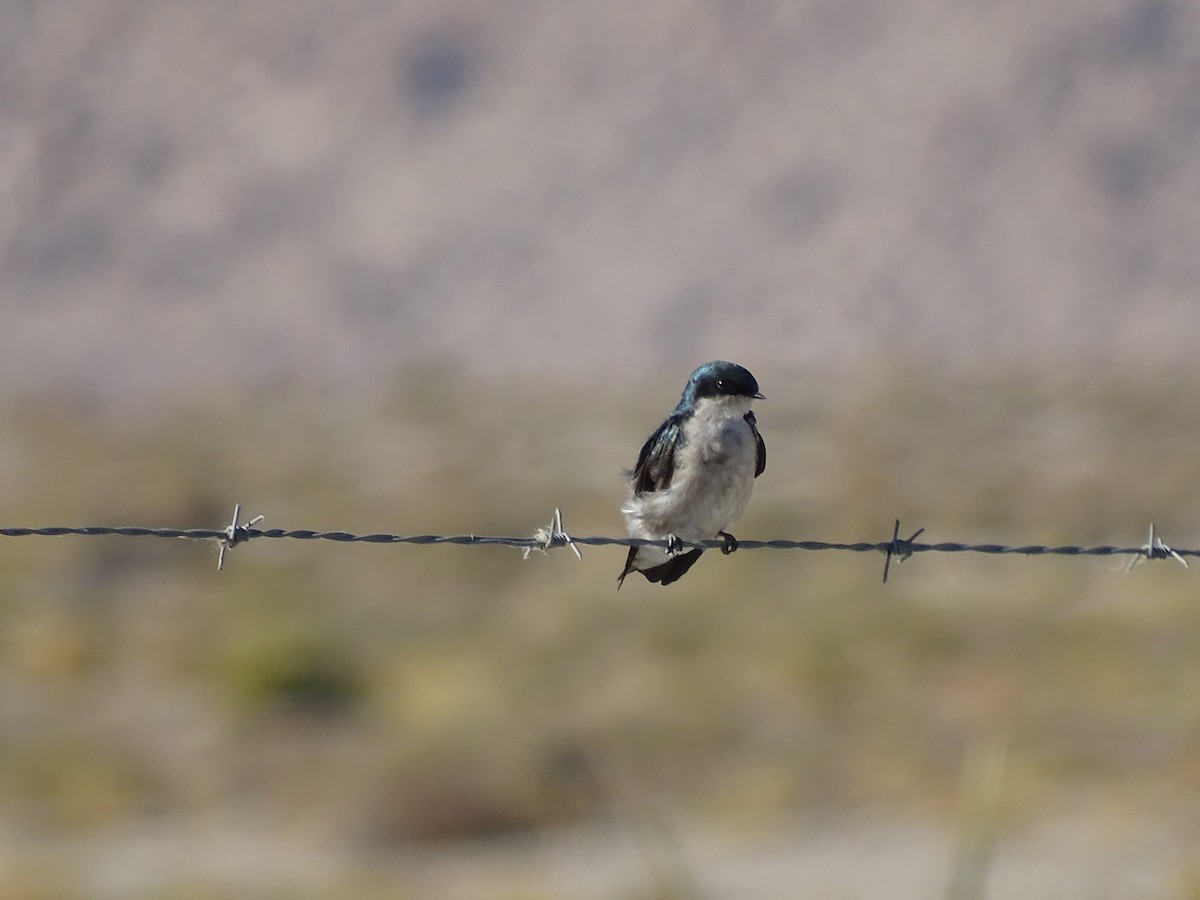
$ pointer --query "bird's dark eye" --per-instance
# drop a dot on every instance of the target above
(720, 384)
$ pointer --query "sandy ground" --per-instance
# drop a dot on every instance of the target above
(843, 856)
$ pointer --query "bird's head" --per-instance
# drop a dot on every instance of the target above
(721, 379)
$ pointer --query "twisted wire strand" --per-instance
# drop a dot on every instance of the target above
(243, 533)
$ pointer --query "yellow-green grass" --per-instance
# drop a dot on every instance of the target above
(377, 695)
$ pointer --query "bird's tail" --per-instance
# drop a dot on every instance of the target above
(665, 573)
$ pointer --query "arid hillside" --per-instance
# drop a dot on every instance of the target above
(194, 195)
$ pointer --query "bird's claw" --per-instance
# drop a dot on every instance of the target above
(730, 544)
(674, 545)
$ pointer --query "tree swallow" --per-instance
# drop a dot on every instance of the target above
(694, 475)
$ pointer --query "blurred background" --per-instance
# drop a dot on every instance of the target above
(441, 266)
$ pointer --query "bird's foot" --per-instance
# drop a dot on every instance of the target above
(730, 544)
(674, 545)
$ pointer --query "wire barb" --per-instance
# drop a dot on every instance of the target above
(900, 548)
(1154, 548)
(552, 536)
(235, 534)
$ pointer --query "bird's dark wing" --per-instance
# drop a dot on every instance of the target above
(656, 461)
(760, 462)
(629, 558)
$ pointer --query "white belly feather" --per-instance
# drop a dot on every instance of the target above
(711, 484)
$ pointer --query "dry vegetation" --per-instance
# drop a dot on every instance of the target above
(342, 707)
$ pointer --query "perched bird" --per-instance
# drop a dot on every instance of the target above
(694, 475)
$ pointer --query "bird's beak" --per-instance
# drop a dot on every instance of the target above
(759, 397)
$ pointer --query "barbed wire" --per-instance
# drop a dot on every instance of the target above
(553, 536)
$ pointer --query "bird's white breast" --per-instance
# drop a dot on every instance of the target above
(712, 480)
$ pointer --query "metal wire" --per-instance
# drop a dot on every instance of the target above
(532, 542)
(554, 536)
